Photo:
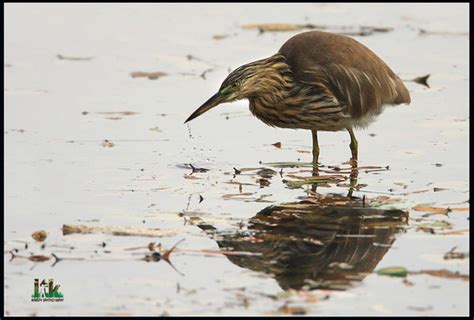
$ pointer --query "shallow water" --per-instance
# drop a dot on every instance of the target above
(58, 170)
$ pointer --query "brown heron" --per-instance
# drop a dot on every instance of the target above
(318, 81)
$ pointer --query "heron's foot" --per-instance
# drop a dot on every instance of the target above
(353, 162)
(353, 179)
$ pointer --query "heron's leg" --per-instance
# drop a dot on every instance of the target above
(315, 158)
(353, 181)
(354, 172)
(354, 145)
(315, 148)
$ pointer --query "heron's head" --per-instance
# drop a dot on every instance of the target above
(256, 78)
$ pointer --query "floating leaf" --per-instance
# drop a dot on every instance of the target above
(288, 164)
(238, 195)
(429, 209)
(156, 129)
(443, 273)
(190, 177)
(61, 57)
(149, 75)
(277, 27)
(452, 254)
(120, 113)
(393, 271)
(117, 231)
(220, 36)
(277, 145)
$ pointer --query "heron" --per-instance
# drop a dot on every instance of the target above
(319, 81)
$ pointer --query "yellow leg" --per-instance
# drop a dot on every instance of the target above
(315, 148)
(354, 145)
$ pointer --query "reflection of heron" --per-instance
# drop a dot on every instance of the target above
(303, 245)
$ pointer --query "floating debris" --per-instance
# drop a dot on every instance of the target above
(195, 169)
(238, 195)
(106, 143)
(266, 173)
(203, 74)
(452, 254)
(423, 32)
(288, 164)
(423, 80)
(39, 235)
(345, 30)
(61, 57)
(155, 129)
(443, 273)
(220, 36)
(393, 271)
(277, 27)
(118, 231)
(191, 177)
(149, 75)
(277, 145)
(165, 256)
(119, 113)
(433, 210)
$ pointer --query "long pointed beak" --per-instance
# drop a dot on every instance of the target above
(208, 105)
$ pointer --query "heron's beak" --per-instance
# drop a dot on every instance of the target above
(213, 101)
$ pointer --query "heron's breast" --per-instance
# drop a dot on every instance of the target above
(294, 116)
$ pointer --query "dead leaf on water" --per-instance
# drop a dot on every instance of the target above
(196, 169)
(190, 177)
(453, 232)
(442, 273)
(460, 209)
(117, 231)
(61, 57)
(424, 32)
(39, 235)
(288, 164)
(277, 27)
(423, 80)
(119, 113)
(106, 143)
(220, 36)
(149, 75)
(240, 183)
(430, 209)
(156, 129)
(453, 254)
(238, 195)
(292, 310)
(421, 309)
(277, 145)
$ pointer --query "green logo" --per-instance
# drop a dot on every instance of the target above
(46, 291)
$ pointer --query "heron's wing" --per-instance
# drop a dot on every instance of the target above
(360, 92)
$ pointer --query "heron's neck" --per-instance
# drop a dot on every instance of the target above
(272, 79)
